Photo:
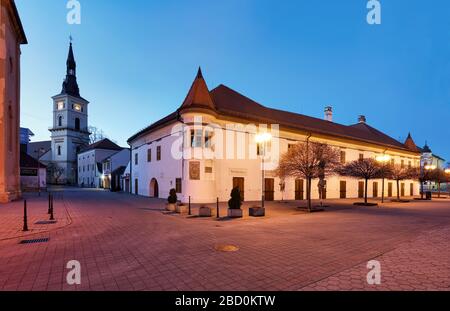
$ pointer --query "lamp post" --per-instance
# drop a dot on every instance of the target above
(261, 140)
(429, 168)
(39, 168)
(383, 160)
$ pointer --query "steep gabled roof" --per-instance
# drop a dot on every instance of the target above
(104, 144)
(231, 103)
(410, 144)
(226, 102)
(198, 96)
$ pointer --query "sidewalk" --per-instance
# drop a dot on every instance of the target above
(11, 216)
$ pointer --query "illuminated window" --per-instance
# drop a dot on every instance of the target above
(196, 138)
(208, 139)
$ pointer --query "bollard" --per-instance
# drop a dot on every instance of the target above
(218, 211)
(49, 203)
(190, 206)
(25, 218)
(51, 210)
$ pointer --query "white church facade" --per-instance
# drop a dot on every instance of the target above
(208, 146)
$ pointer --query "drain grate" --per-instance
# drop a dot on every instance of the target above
(226, 248)
(34, 241)
(45, 222)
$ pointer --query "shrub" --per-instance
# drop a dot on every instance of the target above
(235, 201)
(172, 199)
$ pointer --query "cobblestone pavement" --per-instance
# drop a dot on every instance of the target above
(125, 242)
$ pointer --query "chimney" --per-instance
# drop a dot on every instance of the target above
(329, 114)
(362, 119)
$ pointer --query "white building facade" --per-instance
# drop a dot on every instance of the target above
(90, 160)
(208, 147)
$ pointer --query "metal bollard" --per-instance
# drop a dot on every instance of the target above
(25, 218)
(51, 210)
(49, 203)
(218, 211)
(190, 206)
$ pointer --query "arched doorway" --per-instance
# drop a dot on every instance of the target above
(154, 188)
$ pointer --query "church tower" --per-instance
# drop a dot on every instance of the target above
(70, 127)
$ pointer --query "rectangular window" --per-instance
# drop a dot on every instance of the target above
(290, 146)
(392, 161)
(208, 139)
(178, 185)
(158, 153)
(136, 161)
(361, 156)
(208, 170)
(402, 163)
(343, 157)
(149, 155)
(409, 164)
(196, 138)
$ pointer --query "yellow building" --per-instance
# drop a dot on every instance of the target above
(12, 36)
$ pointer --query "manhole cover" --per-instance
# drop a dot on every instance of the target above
(43, 240)
(226, 248)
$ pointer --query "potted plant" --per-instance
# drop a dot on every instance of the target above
(235, 203)
(257, 211)
(205, 211)
(172, 200)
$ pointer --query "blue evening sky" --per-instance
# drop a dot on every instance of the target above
(137, 59)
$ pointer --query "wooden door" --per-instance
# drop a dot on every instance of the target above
(269, 189)
(375, 189)
(299, 189)
(240, 182)
(361, 189)
(402, 189)
(390, 187)
(411, 189)
(343, 189)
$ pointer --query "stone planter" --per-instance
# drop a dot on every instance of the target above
(205, 211)
(235, 213)
(181, 209)
(171, 207)
(257, 212)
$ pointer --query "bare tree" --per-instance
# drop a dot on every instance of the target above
(96, 134)
(55, 171)
(309, 160)
(366, 169)
(438, 176)
(400, 173)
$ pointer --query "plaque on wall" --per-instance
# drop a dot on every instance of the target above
(238, 172)
(194, 170)
(28, 172)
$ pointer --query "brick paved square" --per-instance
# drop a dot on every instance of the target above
(128, 243)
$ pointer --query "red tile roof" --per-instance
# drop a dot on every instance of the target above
(229, 103)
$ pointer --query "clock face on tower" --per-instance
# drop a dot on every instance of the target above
(60, 105)
(77, 107)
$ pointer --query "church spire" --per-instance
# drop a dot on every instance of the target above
(70, 85)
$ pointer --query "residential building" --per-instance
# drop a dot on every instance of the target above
(89, 167)
(12, 36)
(113, 168)
(208, 146)
(33, 174)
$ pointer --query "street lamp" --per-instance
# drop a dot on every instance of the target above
(262, 140)
(383, 159)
